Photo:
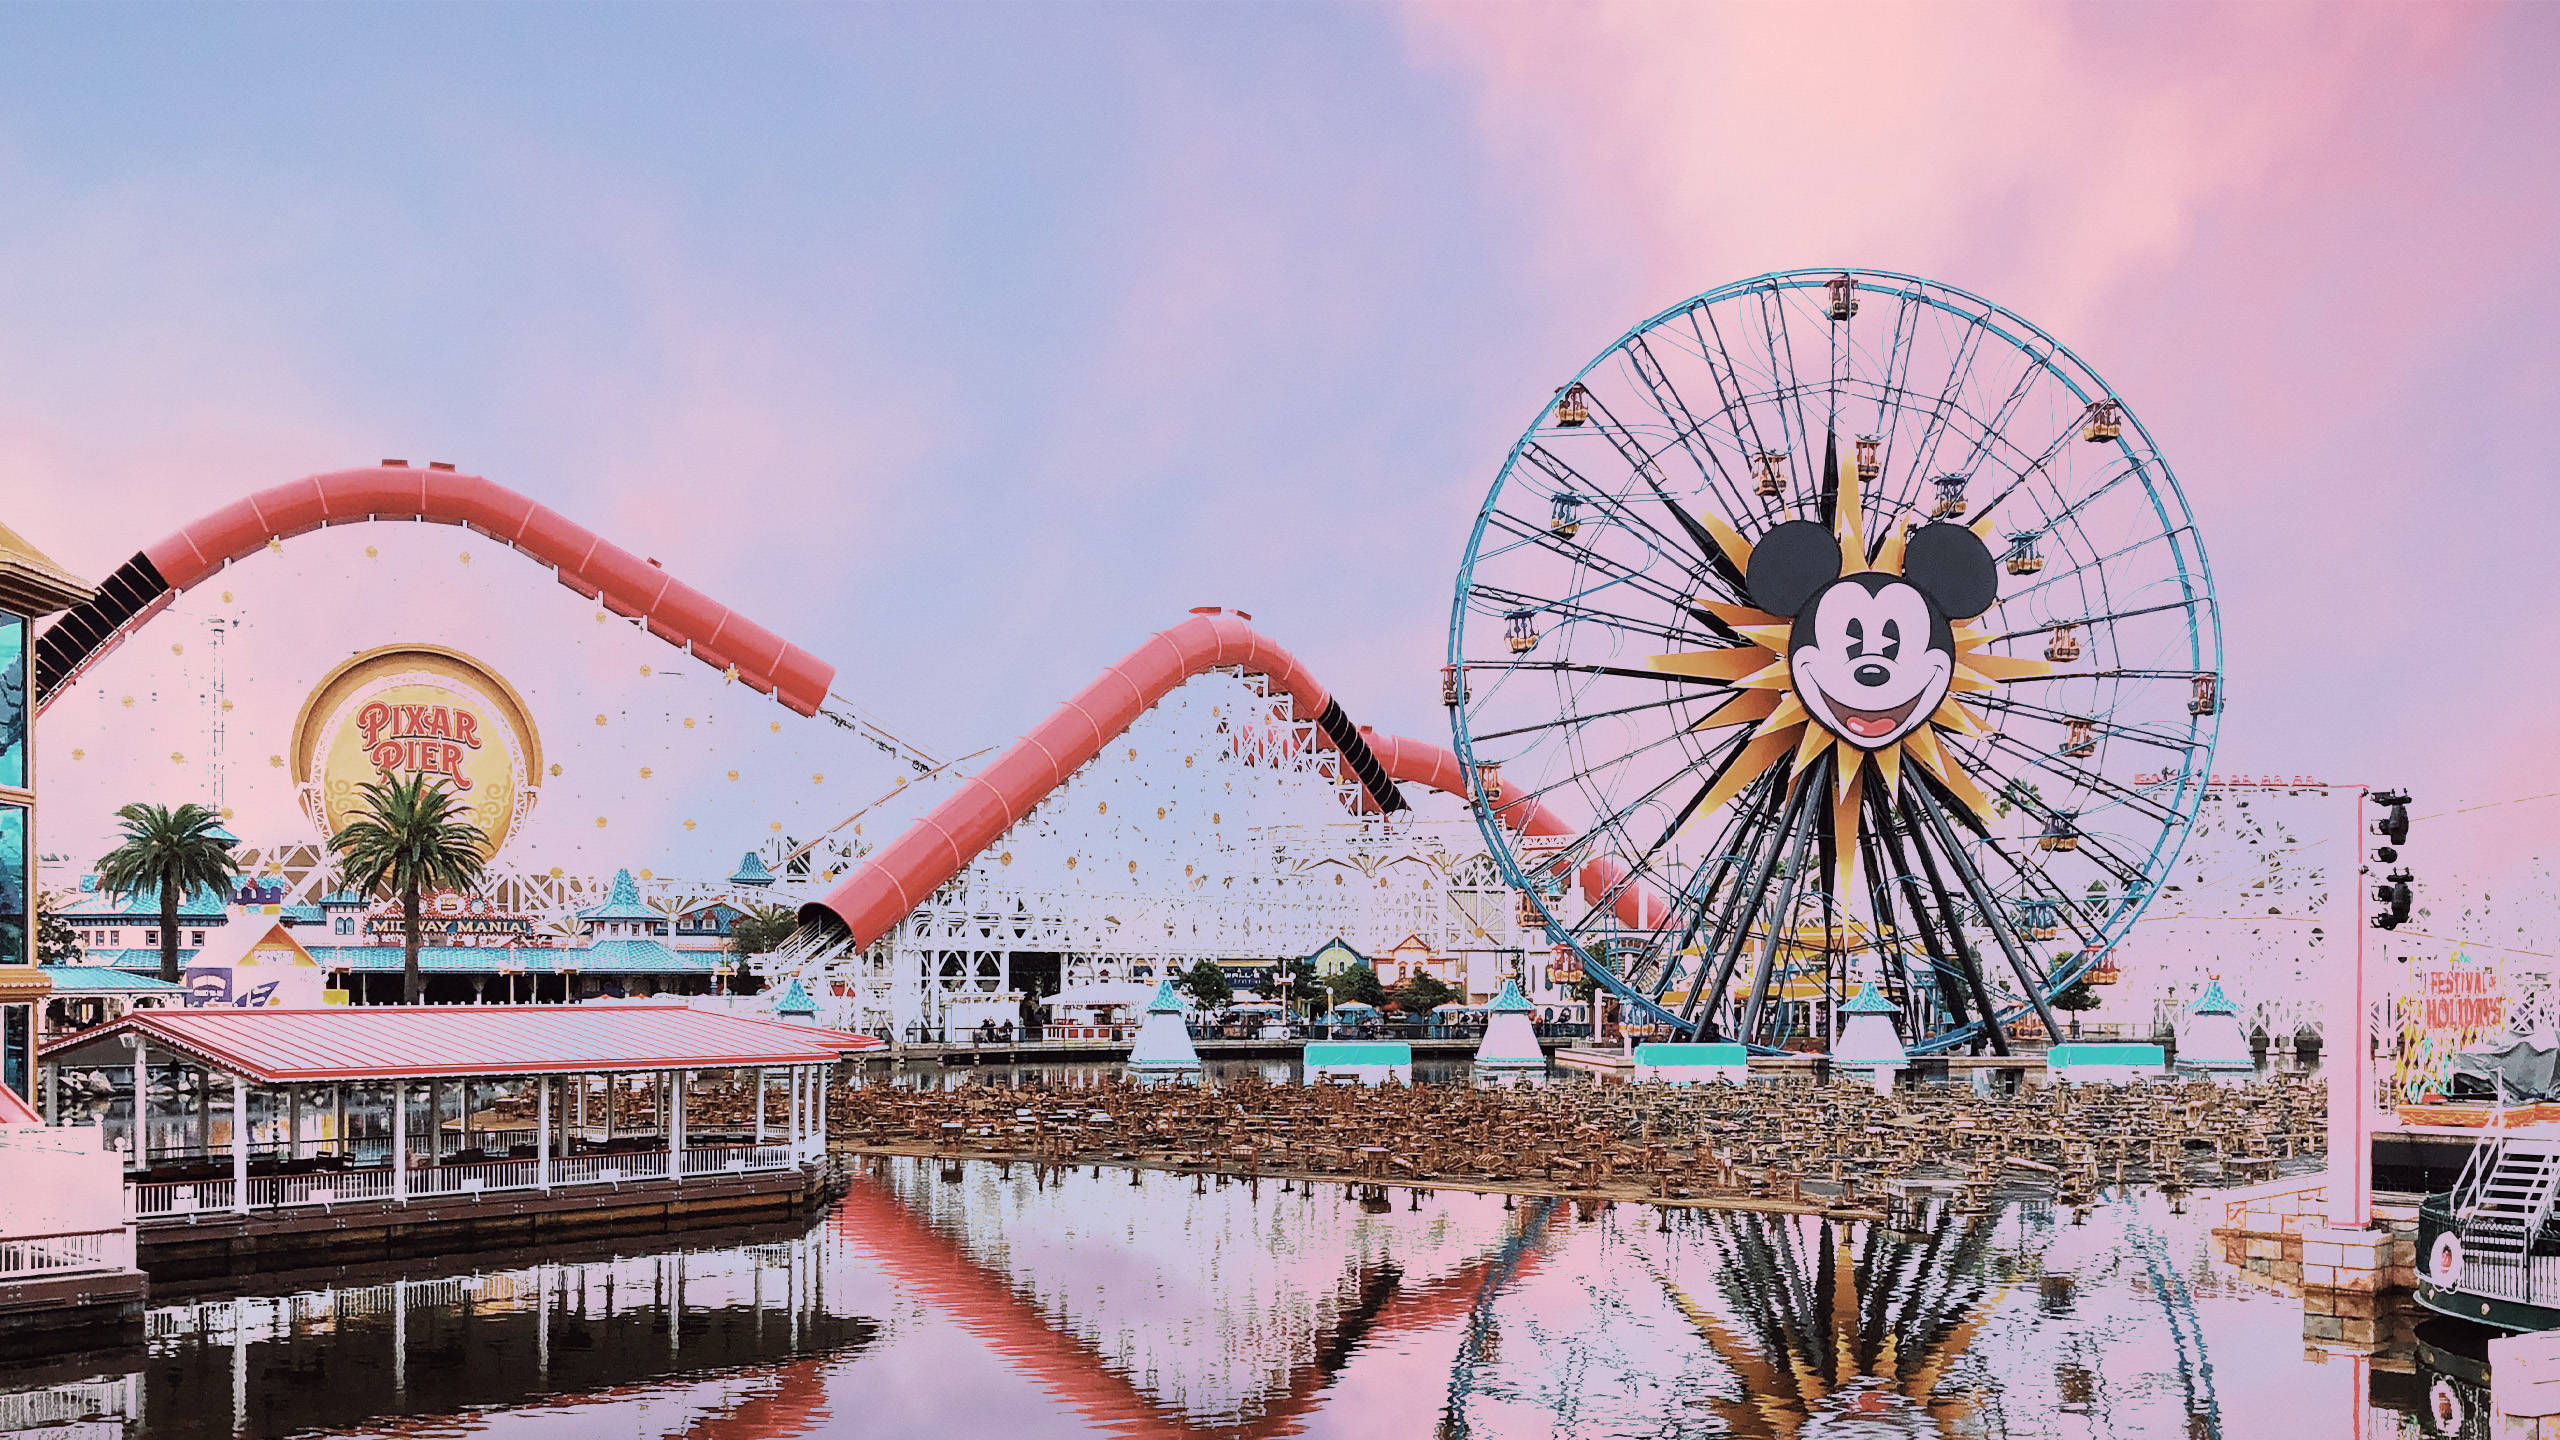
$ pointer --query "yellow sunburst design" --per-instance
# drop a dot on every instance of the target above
(1787, 733)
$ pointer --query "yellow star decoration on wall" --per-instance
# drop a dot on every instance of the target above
(1762, 692)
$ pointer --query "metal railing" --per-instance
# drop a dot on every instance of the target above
(323, 1188)
(180, 1197)
(171, 1199)
(66, 1253)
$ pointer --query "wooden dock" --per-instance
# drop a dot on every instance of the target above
(221, 1242)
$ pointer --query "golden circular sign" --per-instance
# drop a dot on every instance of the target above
(406, 710)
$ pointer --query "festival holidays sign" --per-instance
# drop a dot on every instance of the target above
(2449, 1008)
(417, 710)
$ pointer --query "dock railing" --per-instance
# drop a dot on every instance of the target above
(67, 1253)
(176, 1199)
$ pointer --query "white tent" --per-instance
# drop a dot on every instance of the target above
(1164, 1042)
(1510, 1042)
(1869, 1040)
(2210, 1037)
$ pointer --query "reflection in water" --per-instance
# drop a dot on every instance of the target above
(1025, 1301)
(712, 1342)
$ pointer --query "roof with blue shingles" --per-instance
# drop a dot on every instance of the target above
(107, 980)
(99, 907)
(623, 903)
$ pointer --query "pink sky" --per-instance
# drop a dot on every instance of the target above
(965, 348)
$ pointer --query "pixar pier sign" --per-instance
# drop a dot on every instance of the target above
(417, 710)
(420, 738)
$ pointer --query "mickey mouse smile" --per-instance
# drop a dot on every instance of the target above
(1867, 724)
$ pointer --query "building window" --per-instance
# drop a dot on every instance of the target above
(13, 699)
(197, 938)
(150, 937)
(14, 928)
(17, 1049)
(346, 924)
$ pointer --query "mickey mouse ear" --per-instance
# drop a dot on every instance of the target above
(1790, 563)
(1951, 565)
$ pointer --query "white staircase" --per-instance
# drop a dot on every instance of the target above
(2504, 1198)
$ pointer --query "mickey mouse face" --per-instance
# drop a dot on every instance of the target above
(1872, 654)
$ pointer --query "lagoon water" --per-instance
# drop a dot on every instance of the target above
(984, 1299)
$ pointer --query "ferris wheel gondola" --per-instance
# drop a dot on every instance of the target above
(1777, 679)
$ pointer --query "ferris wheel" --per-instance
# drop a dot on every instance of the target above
(1835, 630)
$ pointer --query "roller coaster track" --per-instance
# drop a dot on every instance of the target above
(874, 898)
(587, 563)
(889, 886)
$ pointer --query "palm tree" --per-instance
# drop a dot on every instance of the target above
(759, 931)
(409, 837)
(172, 853)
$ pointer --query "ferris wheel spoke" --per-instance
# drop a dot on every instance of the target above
(1987, 905)
(2071, 511)
(1583, 847)
(1768, 847)
(1988, 431)
(1642, 865)
(1959, 977)
(2067, 910)
(1572, 607)
(1781, 922)
(1561, 721)
(1895, 383)
(1959, 369)
(1574, 480)
(1771, 303)
(1673, 406)
(2023, 592)
(1582, 773)
(2012, 705)
(2096, 847)
(1754, 812)
(1585, 668)
(2056, 766)
(1708, 553)
(2091, 620)
(1544, 537)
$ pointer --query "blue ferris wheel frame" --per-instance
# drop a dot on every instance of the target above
(2182, 790)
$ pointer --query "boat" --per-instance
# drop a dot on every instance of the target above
(2489, 1248)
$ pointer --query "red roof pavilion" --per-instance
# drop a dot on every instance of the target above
(396, 1042)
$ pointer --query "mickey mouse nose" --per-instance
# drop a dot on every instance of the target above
(1871, 674)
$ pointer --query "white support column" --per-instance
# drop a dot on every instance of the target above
(141, 1103)
(435, 1122)
(671, 1084)
(764, 1092)
(542, 1135)
(338, 1119)
(53, 1096)
(818, 1102)
(795, 1113)
(400, 1141)
(239, 1142)
(293, 1117)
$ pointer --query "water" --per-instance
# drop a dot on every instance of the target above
(985, 1299)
